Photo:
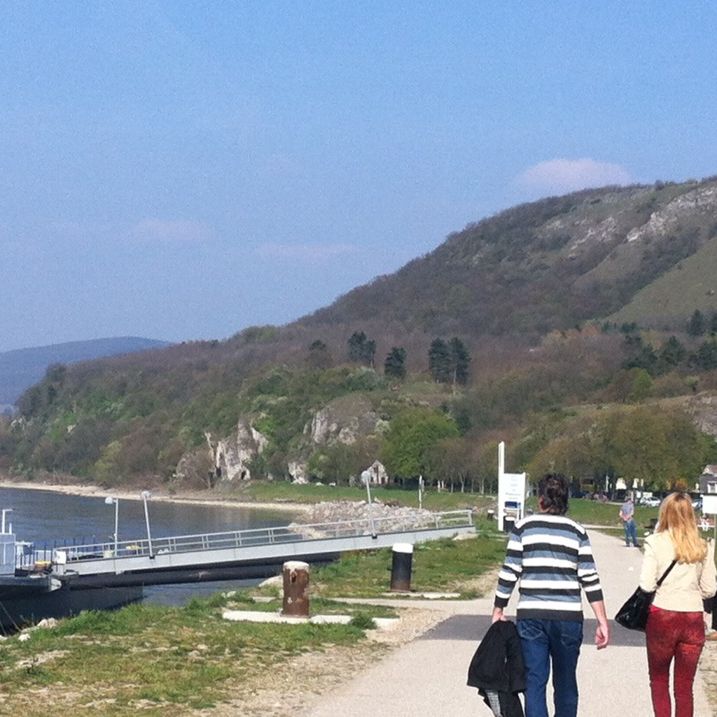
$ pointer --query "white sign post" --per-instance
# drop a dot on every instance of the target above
(511, 490)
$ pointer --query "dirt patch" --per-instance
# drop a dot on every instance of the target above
(484, 585)
(41, 659)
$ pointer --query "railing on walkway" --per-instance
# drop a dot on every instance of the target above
(255, 537)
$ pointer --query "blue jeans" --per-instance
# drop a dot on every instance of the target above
(631, 532)
(543, 642)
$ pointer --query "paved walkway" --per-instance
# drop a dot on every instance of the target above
(428, 675)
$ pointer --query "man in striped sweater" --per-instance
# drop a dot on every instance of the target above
(550, 556)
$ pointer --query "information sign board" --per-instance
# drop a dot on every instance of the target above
(709, 504)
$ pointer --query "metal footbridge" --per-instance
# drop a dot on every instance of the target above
(239, 553)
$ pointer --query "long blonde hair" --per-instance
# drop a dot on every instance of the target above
(677, 517)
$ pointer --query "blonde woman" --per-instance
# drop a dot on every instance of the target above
(675, 626)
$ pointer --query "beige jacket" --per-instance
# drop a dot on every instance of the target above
(687, 583)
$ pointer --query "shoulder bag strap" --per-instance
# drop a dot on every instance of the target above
(666, 573)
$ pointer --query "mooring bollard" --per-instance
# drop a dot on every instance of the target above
(402, 557)
(296, 589)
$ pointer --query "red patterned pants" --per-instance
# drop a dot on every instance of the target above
(679, 636)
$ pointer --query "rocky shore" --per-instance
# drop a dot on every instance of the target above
(399, 517)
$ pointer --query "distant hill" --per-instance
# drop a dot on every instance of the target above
(21, 368)
(537, 294)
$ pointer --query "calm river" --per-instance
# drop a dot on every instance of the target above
(44, 516)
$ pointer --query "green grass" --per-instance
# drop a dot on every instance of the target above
(285, 492)
(592, 512)
(245, 600)
(677, 292)
(149, 659)
(439, 565)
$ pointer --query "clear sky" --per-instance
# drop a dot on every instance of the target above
(182, 170)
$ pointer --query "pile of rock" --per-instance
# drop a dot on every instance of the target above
(398, 517)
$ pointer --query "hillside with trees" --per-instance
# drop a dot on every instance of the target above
(21, 368)
(508, 330)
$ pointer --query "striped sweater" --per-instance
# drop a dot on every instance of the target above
(551, 557)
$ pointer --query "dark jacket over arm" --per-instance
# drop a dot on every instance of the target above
(497, 666)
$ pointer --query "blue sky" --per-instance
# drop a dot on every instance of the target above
(182, 170)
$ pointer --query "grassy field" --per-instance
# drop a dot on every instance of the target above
(592, 512)
(158, 660)
(148, 659)
(440, 565)
(285, 492)
(676, 293)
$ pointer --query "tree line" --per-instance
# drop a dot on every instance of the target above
(448, 361)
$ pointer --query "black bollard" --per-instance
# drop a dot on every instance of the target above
(402, 558)
(508, 523)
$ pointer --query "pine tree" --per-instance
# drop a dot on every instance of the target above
(439, 361)
(460, 359)
(706, 356)
(319, 357)
(713, 323)
(361, 349)
(696, 324)
(395, 364)
(355, 346)
(672, 353)
(369, 352)
(645, 358)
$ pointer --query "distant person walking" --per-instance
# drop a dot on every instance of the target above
(627, 515)
(675, 627)
(550, 556)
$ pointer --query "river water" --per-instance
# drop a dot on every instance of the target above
(45, 517)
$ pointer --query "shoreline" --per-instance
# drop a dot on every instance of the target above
(94, 491)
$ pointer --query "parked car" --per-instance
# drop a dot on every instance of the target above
(651, 502)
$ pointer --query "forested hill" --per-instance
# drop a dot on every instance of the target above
(21, 368)
(542, 325)
(549, 264)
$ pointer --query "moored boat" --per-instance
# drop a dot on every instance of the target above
(30, 595)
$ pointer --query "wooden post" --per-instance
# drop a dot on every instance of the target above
(296, 589)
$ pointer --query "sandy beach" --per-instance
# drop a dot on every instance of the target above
(180, 497)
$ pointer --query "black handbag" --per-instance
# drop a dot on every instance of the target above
(633, 614)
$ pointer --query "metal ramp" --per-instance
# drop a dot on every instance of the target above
(155, 560)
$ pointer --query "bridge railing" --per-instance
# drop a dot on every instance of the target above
(262, 536)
